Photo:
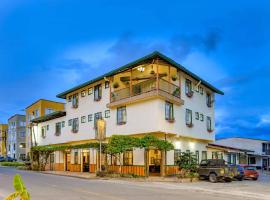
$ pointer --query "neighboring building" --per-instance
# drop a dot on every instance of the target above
(38, 109)
(152, 95)
(16, 146)
(260, 157)
(3, 139)
(230, 154)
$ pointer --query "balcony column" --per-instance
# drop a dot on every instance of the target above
(130, 83)
(157, 77)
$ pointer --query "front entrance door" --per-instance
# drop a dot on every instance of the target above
(86, 160)
(51, 162)
(67, 161)
(154, 162)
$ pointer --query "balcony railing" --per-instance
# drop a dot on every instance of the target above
(267, 152)
(147, 88)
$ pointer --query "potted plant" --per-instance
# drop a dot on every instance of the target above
(176, 92)
(115, 85)
(174, 77)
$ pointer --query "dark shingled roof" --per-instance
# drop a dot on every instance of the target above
(50, 116)
(153, 55)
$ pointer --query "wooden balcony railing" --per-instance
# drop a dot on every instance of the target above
(147, 88)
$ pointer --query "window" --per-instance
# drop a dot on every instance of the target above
(209, 124)
(48, 127)
(58, 128)
(63, 124)
(209, 100)
(128, 158)
(252, 161)
(97, 117)
(76, 157)
(107, 84)
(204, 155)
(69, 98)
(70, 122)
(90, 118)
(83, 93)
(169, 115)
(48, 111)
(22, 156)
(188, 88)
(197, 156)
(97, 92)
(107, 113)
(201, 90)
(22, 145)
(43, 132)
(202, 117)
(75, 101)
(188, 118)
(9, 147)
(121, 115)
(75, 125)
(177, 154)
(197, 116)
(90, 91)
(14, 147)
(83, 119)
(22, 134)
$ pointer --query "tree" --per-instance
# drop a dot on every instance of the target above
(118, 144)
(187, 163)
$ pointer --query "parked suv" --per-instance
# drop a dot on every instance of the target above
(215, 170)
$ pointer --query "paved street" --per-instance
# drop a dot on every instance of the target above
(45, 186)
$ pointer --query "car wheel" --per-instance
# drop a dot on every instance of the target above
(213, 178)
(240, 179)
(255, 179)
(228, 180)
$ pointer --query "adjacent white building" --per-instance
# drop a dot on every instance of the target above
(16, 147)
(260, 155)
(152, 95)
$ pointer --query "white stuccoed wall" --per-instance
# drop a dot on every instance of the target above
(144, 117)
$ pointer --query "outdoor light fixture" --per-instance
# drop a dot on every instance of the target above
(141, 69)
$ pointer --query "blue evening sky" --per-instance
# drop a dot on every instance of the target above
(49, 46)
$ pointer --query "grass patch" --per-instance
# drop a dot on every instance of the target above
(12, 164)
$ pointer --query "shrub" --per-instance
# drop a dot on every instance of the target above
(12, 164)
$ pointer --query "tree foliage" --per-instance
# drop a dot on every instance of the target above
(20, 189)
(187, 163)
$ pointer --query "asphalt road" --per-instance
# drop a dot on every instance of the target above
(45, 186)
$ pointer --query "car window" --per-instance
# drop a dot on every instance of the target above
(250, 168)
(203, 163)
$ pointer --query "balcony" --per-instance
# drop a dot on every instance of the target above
(266, 152)
(145, 90)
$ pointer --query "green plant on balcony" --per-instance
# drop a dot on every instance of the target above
(176, 92)
(115, 85)
(20, 189)
(174, 77)
(137, 89)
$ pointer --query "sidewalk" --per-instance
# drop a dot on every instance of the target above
(86, 175)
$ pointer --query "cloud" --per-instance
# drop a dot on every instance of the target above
(264, 121)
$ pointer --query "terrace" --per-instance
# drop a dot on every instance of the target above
(146, 81)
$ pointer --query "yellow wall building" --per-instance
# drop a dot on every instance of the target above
(38, 109)
(3, 139)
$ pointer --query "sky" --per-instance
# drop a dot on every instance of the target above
(49, 46)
